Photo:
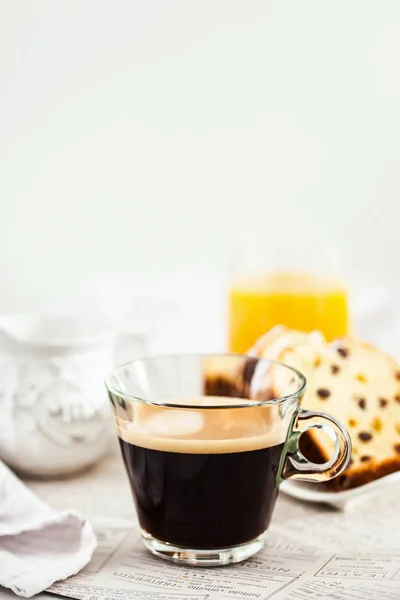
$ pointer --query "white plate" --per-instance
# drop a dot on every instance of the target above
(316, 492)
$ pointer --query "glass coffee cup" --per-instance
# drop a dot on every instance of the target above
(206, 441)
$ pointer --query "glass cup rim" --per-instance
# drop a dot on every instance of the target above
(245, 404)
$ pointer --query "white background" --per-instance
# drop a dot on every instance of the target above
(141, 137)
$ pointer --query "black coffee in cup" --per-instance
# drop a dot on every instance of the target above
(203, 478)
(206, 440)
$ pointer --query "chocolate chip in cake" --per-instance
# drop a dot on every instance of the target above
(362, 403)
(397, 397)
(361, 377)
(397, 375)
(221, 386)
(352, 423)
(397, 448)
(365, 436)
(335, 369)
(377, 424)
(249, 368)
(383, 402)
(365, 458)
(343, 352)
(323, 393)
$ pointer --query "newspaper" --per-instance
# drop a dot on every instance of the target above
(346, 557)
(123, 569)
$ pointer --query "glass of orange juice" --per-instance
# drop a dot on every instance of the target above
(302, 288)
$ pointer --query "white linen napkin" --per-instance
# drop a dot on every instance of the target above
(38, 546)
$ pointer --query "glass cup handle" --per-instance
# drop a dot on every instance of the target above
(295, 465)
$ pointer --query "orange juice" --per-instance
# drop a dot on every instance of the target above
(298, 300)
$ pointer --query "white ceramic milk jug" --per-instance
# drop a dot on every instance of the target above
(54, 413)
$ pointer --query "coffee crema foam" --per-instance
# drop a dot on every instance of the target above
(203, 431)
